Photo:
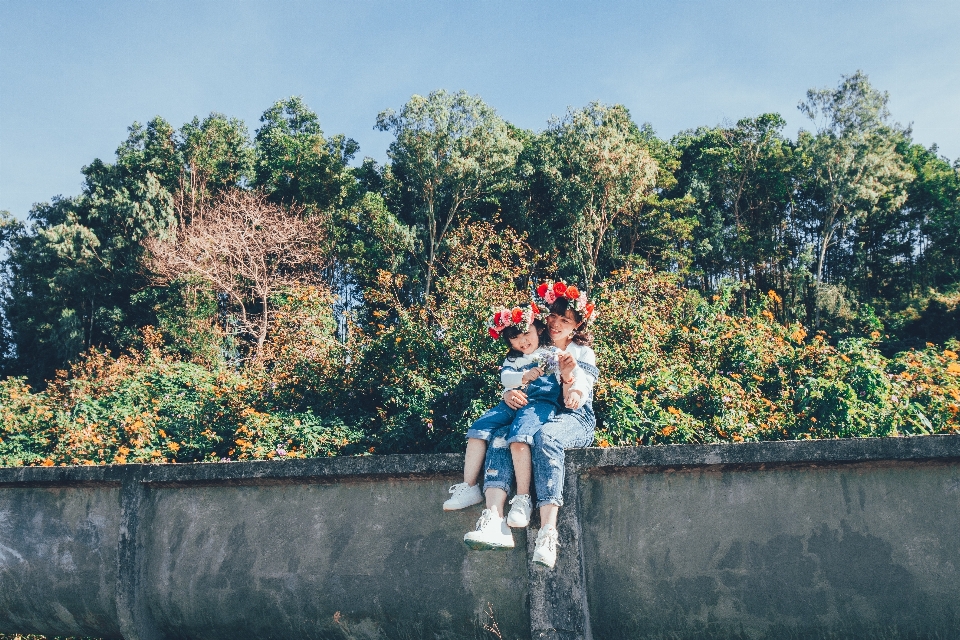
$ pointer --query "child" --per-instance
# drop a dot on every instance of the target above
(526, 366)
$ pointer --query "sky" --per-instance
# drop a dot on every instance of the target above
(74, 74)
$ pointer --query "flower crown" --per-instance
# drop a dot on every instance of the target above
(520, 317)
(548, 293)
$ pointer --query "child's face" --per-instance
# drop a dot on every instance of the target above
(526, 343)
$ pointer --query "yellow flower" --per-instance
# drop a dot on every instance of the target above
(953, 367)
(667, 430)
(874, 335)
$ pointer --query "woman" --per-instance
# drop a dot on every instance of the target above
(571, 427)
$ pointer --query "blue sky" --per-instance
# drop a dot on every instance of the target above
(75, 74)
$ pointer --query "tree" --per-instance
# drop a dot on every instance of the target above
(852, 161)
(296, 163)
(249, 250)
(742, 181)
(75, 275)
(450, 150)
(660, 228)
(601, 173)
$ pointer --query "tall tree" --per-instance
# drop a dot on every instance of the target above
(449, 152)
(601, 171)
(852, 159)
(295, 162)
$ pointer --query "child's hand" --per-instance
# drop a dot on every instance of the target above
(571, 398)
(532, 374)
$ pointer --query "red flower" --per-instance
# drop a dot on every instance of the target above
(534, 307)
(588, 308)
(572, 292)
(542, 290)
(516, 315)
(493, 333)
(559, 288)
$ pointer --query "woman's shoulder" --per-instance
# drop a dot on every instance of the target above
(582, 352)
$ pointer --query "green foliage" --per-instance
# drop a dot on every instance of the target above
(709, 255)
(450, 151)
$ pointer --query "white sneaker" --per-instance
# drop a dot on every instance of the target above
(463, 496)
(491, 533)
(520, 511)
(545, 549)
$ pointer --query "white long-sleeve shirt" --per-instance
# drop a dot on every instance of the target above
(511, 373)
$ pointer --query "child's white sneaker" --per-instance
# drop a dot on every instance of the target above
(463, 496)
(520, 510)
(545, 549)
(491, 533)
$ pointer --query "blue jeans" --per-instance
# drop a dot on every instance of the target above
(566, 430)
(494, 422)
(502, 425)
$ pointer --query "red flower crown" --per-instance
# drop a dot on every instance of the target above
(548, 293)
(520, 317)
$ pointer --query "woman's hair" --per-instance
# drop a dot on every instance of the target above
(580, 335)
(512, 332)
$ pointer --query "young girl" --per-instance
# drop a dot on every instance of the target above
(527, 366)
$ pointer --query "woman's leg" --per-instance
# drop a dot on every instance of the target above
(565, 431)
(522, 466)
(496, 501)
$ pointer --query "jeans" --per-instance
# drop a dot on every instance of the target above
(494, 422)
(566, 430)
(502, 425)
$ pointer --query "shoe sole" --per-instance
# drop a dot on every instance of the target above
(518, 525)
(479, 545)
(446, 508)
(542, 563)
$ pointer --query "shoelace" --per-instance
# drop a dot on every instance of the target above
(457, 487)
(518, 497)
(484, 520)
(549, 541)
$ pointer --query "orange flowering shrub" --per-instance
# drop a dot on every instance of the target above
(149, 407)
(678, 368)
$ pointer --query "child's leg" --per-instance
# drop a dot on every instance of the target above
(473, 460)
(522, 466)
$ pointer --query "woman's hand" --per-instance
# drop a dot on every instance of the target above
(532, 374)
(571, 399)
(567, 364)
(515, 399)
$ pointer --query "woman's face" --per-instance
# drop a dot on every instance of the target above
(562, 327)
(526, 343)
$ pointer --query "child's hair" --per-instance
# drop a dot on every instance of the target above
(513, 331)
(580, 335)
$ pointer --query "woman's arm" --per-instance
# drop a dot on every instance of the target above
(584, 375)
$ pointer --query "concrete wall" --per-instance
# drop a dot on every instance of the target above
(793, 539)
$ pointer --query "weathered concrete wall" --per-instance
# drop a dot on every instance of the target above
(795, 539)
